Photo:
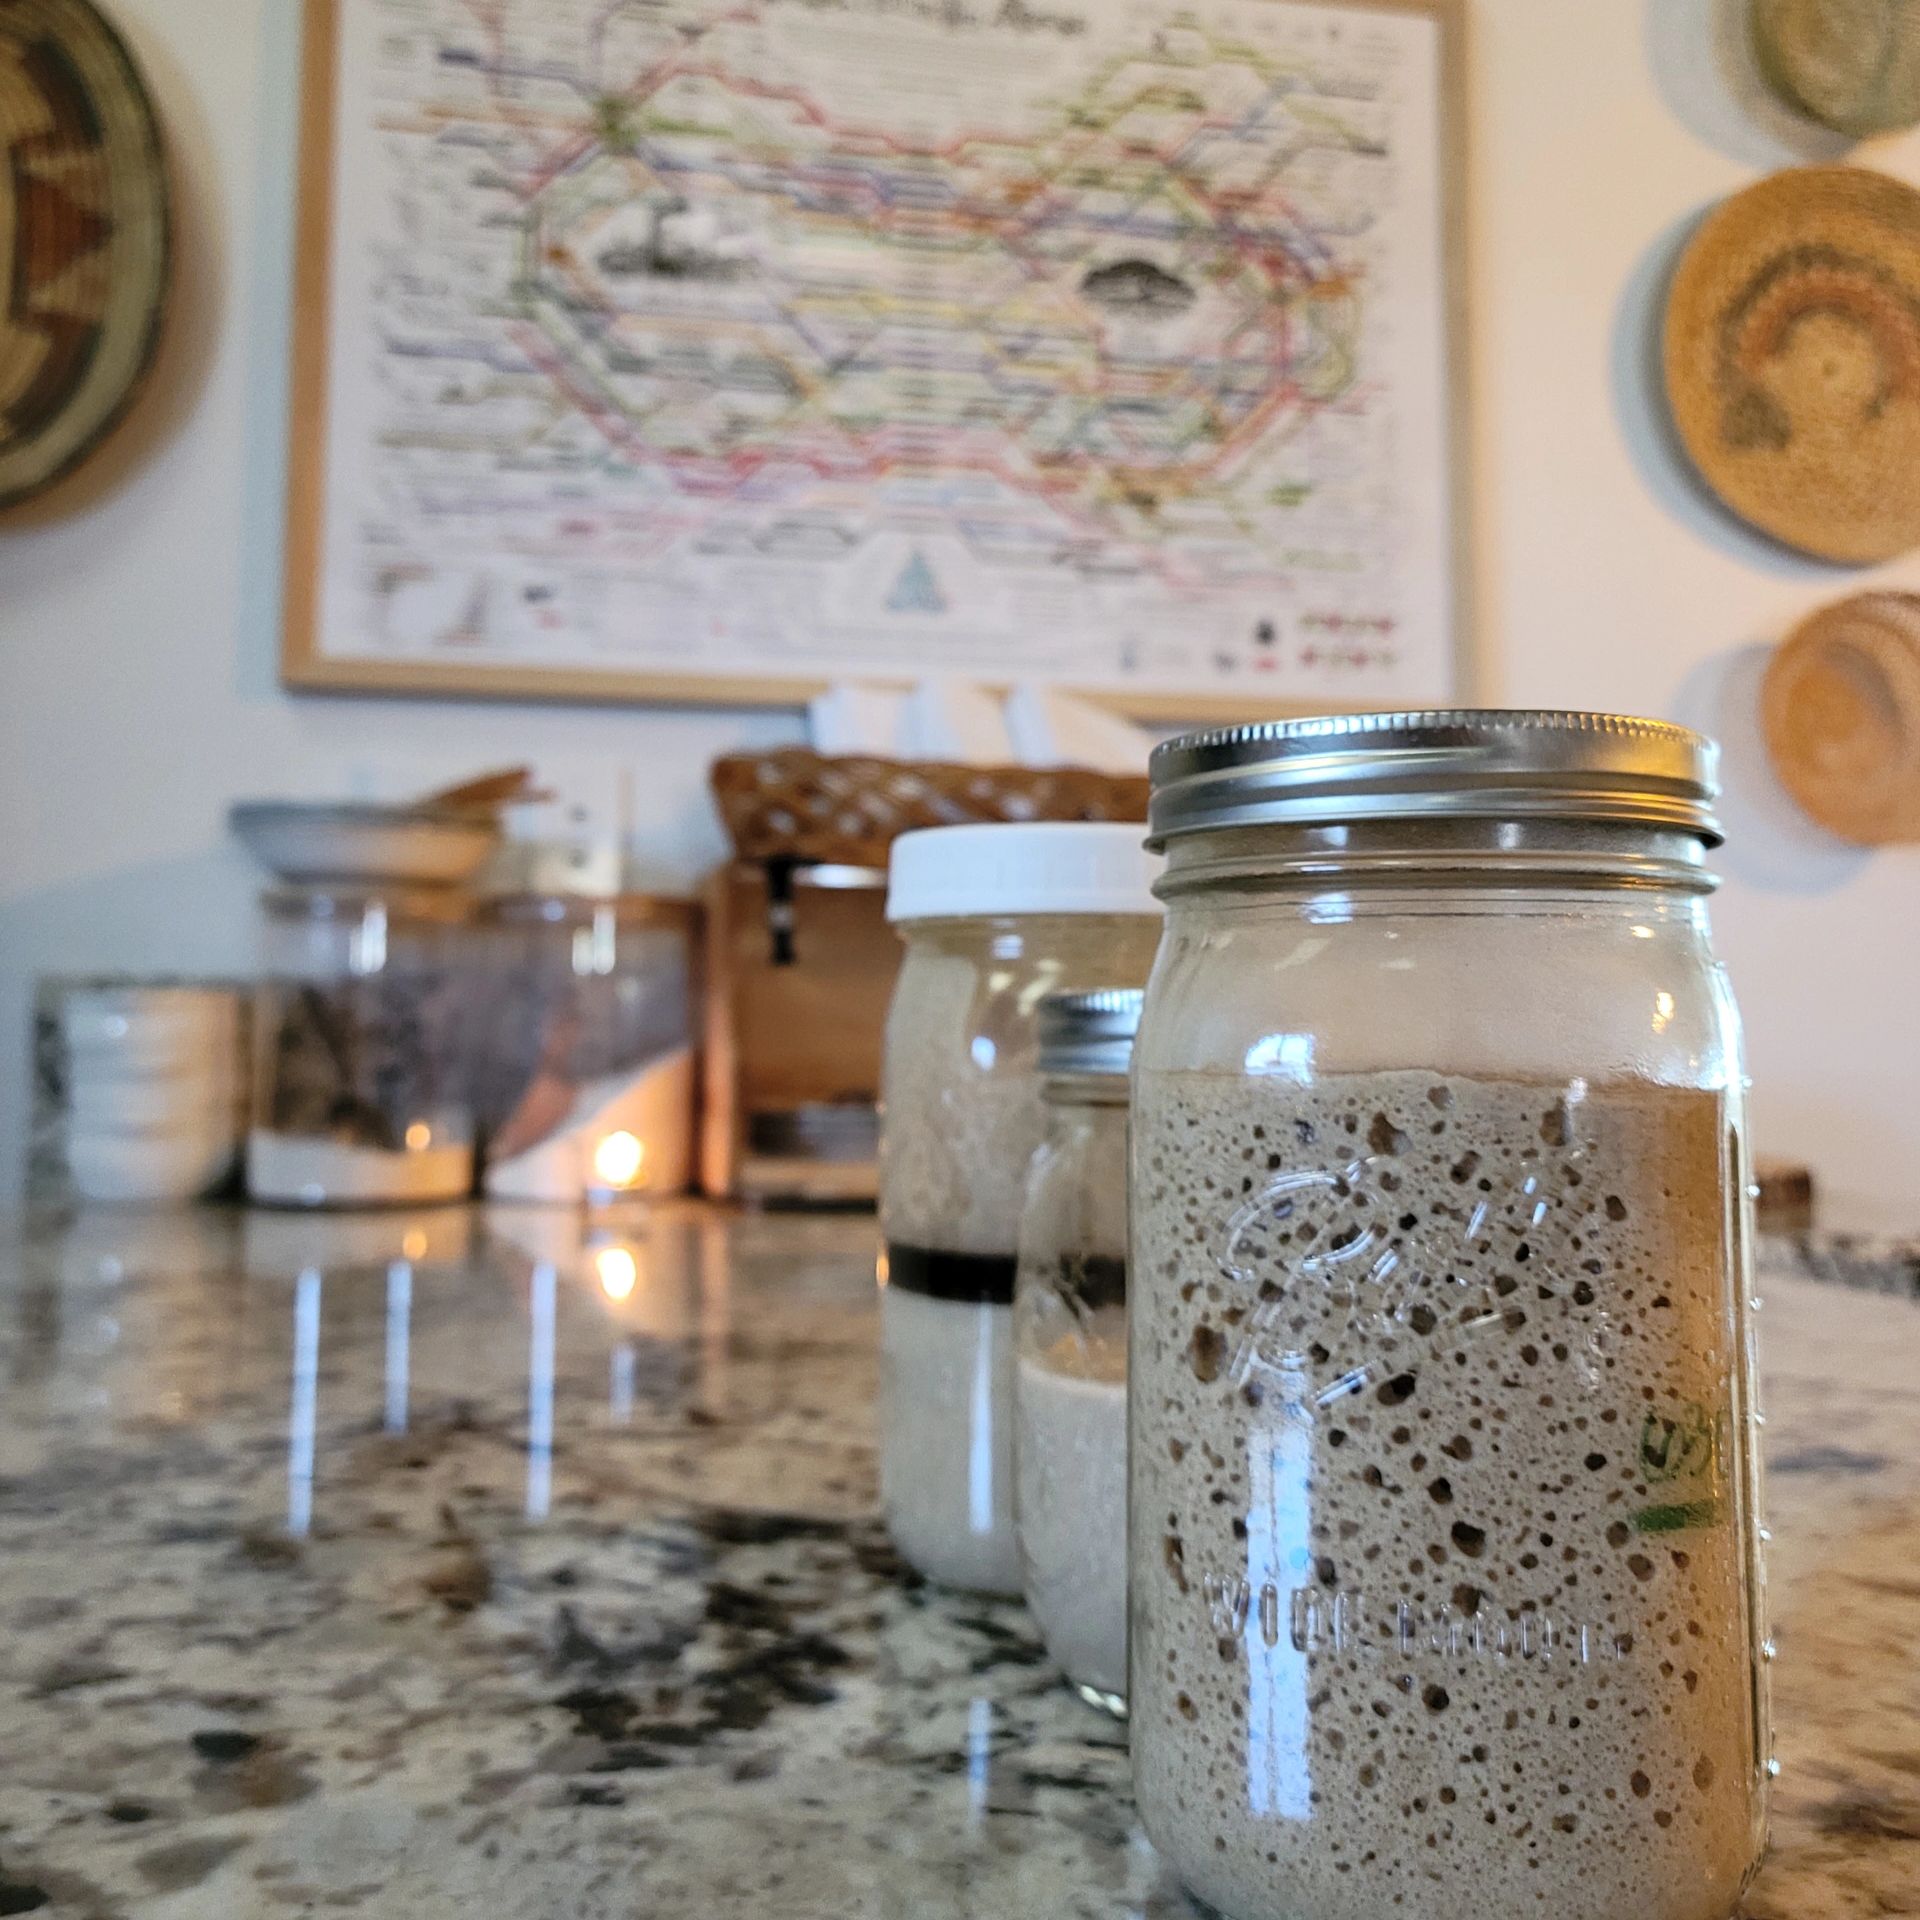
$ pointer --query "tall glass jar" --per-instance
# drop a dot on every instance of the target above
(1070, 1346)
(363, 1061)
(588, 1082)
(994, 919)
(1445, 1583)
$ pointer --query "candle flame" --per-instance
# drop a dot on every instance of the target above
(617, 1160)
(619, 1272)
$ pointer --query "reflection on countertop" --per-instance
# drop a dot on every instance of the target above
(497, 1560)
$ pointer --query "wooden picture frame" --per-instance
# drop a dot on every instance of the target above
(308, 663)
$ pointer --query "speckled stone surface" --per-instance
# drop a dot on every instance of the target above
(449, 1565)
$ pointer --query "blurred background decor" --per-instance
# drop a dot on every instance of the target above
(709, 354)
(140, 630)
(1793, 360)
(1841, 708)
(800, 958)
(801, 964)
(140, 1089)
(1852, 65)
(84, 214)
(847, 809)
(592, 1045)
(364, 1078)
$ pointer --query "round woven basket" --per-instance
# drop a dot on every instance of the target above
(1852, 65)
(1792, 358)
(1841, 710)
(83, 205)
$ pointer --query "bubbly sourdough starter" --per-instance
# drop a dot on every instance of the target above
(1437, 1584)
(955, 1146)
(1072, 1460)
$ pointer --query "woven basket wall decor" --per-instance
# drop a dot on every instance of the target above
(1841, 711)
(1852, 65)
(1792, 357)
(83, 208)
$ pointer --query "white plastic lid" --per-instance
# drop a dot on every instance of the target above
(1041, 866)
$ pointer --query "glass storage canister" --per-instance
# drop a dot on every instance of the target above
(1445, 1579)
(588, 1090)
(1070, 1346)
(362, 1068)
(994, 918)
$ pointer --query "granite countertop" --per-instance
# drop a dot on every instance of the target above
(452, 1564)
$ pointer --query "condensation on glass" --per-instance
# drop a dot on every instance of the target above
(1070, 1346)
(994, 919)
(1446, 1594)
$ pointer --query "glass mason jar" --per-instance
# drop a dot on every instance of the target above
(994, 919)
(1070, 1346)
(587, 1082)
(1445, 1582)
(362, 1059)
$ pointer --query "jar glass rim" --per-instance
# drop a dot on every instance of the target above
(1462, 852)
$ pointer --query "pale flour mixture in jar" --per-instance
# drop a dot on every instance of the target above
(1070, 1319)
(994, 919)
(1445, 1583)
(1072, 1454)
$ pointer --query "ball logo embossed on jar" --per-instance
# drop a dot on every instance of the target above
(1337, 1251)
(1365, 1626)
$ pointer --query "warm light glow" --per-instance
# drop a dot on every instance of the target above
(1662, 1010)
(419, 1137)
(617, 1160)
(413, 1245)
(1641, 933)
(619, 1274)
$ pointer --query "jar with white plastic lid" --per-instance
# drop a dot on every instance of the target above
(1070, 1346)
(364, 1057)
(1446, 1593)
(994, 918)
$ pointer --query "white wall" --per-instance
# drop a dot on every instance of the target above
(138, 616)
(1602, 133)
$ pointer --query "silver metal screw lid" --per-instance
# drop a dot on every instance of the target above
(1458, 763)
(1089, 1032)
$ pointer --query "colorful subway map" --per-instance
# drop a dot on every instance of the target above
(1092, 343)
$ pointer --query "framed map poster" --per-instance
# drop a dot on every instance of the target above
(721, 349)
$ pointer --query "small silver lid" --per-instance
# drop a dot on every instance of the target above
(1089, 1032)
(1459, 763)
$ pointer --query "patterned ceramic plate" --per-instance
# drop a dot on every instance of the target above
(1793, 359)
(84, 225)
